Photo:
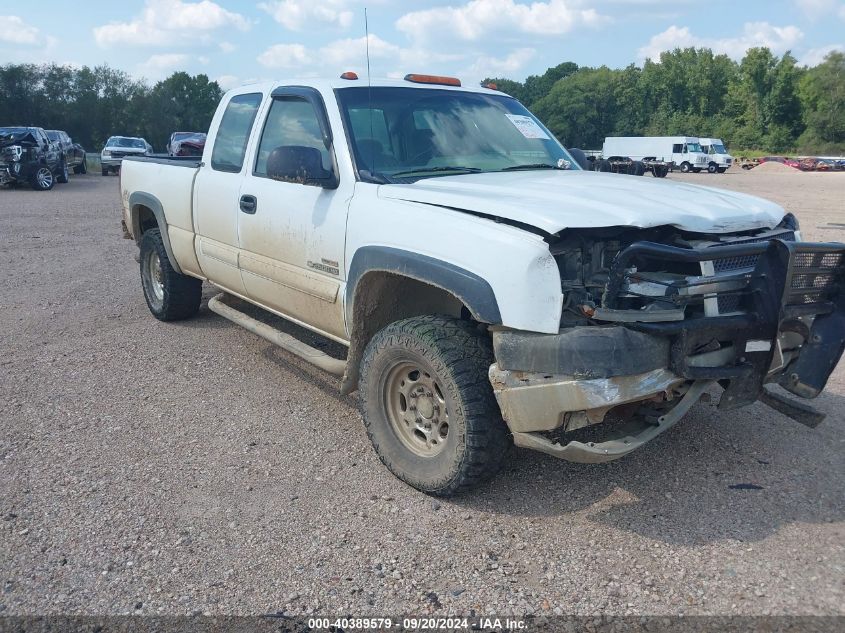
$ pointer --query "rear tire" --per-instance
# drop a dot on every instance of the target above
(170, 296)
(428, 406)
(42, 179)
(604, 165)
(63, 177)
(722, 170)
(105, 171)
(639, 168)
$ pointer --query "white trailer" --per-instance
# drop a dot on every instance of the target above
(680, 152)
(719, 160)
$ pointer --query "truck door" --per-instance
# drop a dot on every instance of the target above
(291, 229)
(216, 191)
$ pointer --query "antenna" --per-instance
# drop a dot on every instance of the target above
(369, 94)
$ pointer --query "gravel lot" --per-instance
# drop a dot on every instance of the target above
(194, 468)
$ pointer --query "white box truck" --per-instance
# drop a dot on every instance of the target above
(680, 152)
(719, 160)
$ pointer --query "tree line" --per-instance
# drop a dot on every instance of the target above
(763, 102)
(92, 104)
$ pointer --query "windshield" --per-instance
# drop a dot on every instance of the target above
(694, 147)
(401, 134)
(718, 149)
(13, 131)
(122, 141)
(52, 135)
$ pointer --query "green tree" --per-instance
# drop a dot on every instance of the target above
(822, 96)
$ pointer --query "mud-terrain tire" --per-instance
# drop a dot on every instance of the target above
(604, 166)
(639, 168)
(170, 296)
(63, 177)
(433, 369)
(686, 167)
(105, 171)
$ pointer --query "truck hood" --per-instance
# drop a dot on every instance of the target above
(555, 200)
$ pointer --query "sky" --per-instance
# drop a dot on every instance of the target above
(243, 41)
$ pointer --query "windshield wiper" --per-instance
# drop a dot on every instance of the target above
(425, 170)
(533, 166)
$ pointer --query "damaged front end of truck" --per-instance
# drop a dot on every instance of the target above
(653, 318)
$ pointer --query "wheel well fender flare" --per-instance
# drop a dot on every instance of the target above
(470, 289)
(139, 200)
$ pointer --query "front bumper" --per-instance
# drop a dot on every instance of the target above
(789, 330)
(110, 162)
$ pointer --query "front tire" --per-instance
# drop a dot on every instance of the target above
(685, 168)
(170, 296)
(712, 168)
(428, 406)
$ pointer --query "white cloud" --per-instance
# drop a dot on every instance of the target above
(486, 66)
(481, 18)
(227, 82)
(158, 66)
(169, 22)
(355, 50)
(227, 47)
(815, 56)
(755, 34)
(297, 14)
(15, 31)
(285, 56)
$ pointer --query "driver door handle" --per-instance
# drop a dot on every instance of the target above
(249, 204)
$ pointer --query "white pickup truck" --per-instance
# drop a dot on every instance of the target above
(489, 290)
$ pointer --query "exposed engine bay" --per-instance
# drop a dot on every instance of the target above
(651, 317)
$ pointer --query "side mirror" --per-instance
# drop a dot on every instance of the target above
(299, 164)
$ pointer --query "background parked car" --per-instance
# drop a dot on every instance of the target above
(28, 155)
(74, 152)
(186, 144)
(119, 146)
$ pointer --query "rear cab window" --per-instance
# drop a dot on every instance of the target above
(233, 133)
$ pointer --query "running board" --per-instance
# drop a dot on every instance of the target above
(287, 342)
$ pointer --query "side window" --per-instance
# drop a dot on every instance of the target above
(233, 133)
(677, 148)
(291, 121)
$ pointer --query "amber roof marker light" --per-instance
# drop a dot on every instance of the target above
(433, 79)
(491, 86)
(349, 75)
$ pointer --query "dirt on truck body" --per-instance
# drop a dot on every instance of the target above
(490, 290)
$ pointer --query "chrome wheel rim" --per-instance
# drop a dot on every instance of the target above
(416, 408)
(155, 275)
(44, 178)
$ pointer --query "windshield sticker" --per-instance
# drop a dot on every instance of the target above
(527, 126)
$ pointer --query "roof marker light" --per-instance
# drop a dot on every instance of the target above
(491, 86)
(433, 79)
(349, 75)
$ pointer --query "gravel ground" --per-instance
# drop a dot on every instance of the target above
(193, 468)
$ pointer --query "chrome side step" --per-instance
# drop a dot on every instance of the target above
(219, 305)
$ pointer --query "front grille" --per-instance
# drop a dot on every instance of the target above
(814, 277)
(731, 303)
